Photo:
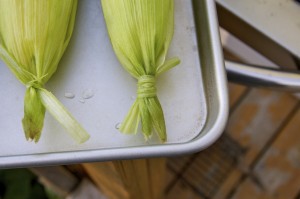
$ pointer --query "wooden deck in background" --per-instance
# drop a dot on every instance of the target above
(264, 154)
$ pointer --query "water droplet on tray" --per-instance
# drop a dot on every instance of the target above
(118, 125)
(82, 101)
(87, 94)
(69, 95)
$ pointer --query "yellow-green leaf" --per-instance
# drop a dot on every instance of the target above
(33, 37)
(140, 33)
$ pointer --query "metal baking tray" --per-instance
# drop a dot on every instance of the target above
(193, 95)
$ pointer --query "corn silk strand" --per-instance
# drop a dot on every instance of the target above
(33, 37)
(140, 33)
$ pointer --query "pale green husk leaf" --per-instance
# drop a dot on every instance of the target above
(33, 37)
(140, 33)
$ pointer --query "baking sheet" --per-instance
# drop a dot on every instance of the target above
(89, 65)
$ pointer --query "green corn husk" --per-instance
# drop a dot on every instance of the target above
(33, 37)
(140, 33)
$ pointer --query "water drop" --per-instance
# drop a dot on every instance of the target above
(87, 94)
(82, 101)
(69, 95)
(118, 125)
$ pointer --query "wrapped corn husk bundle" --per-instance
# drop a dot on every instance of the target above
(33, 37)
(140, 33)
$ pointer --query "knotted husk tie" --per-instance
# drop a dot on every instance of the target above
(146, 87)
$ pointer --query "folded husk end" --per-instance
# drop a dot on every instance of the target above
(34, 114)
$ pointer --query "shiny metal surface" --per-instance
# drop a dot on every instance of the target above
(263, 76)
(277, 19)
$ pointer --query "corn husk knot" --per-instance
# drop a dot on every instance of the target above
(146, 87)
(36, 82)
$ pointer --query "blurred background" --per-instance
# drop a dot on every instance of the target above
(258, 156)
